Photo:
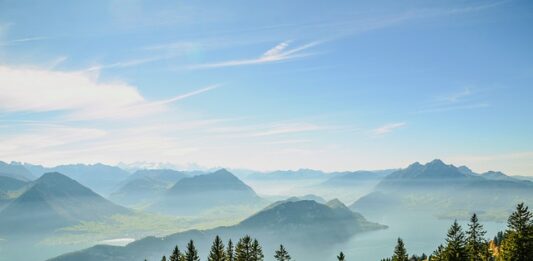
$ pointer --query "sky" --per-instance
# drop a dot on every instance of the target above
(265, 85)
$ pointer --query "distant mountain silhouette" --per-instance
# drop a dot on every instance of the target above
(439, 187)
(308, 220)
(497, 175)
(466, 170)
(308, 197)
(192, 195)
(11, 184)
(349, 178)
(101, 178)
(16, 171)
(9, 189)
(306, 227)
(144, 186)
(54, 201)
(165, 175)
(435, 169)
(289, 175)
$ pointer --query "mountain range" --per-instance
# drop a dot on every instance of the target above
(280, 175)
(16, 171)
(300, 225)
(9, 189)
(101, 178)
(192, 195)
(351, 178)
(54, 201)
(438, 187)
(144, 186)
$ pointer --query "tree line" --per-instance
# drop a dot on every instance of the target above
(515, 244)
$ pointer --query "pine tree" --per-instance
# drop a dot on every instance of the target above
(400, 254)
(176, 254)
(476, 245)
(257, 251)
(164, 258)
(282, 254)
(191, 254)
(455, 249)
(341, 256)
(243, 250)
(518, 239)
(230, 255)
(438, 254)
(217, 251)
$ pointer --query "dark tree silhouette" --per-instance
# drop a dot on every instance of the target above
(217, 251)
(400, 254)
(282, 254)
(517, 242)
(341, 256)
(455, 249)
(176, 254)
(476, 245)
(191, 254)
(230, 254)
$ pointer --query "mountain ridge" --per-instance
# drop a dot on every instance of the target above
(60, 201)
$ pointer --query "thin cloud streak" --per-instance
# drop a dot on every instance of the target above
(465, 99)
(189, 94)
(388, 128)
(124, 64)
(288, 129)
(278, 53)
(23, 40)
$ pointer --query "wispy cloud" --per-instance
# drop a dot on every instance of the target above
(278, 53)
(125, 64)
(80, 95)
(56, 62)
(187, 95)
(285, 142)
(466, 98)
(287, 129)
(23, 40)
(476, 8)
(388, 128)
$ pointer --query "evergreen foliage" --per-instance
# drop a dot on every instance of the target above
(476, 245)
(400, 254)
(230, 253)
(176, 255)
(243, 250)
(257, 251)
(191, 254)
(341, 256)
(517, 242)
(455, 249)
(217, 251)
(282, 254)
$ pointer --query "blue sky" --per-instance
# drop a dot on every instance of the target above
(271, 85)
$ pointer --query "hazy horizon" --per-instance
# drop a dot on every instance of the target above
(134, 166)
